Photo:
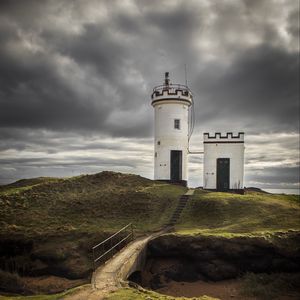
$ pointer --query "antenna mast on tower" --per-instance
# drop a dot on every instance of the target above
(167, 79)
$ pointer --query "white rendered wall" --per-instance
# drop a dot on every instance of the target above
(169, 137)
(219, 148)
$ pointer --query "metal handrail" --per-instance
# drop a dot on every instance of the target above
(171, 86)
(112, 247)
(102, 255)
(130, 224)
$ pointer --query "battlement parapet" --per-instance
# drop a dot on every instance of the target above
(228, 137)
(172, 92)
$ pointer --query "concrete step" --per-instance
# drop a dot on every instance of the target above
(177, 213)
(178, 210)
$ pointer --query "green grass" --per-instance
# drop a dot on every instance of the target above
(270, 286)
(121, 294)
(71, 214)
(92, 203)
(59, 296)
(63, 218)
(231, 214)
(24, 184)
(142, 294)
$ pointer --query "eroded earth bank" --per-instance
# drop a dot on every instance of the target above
(191, 266)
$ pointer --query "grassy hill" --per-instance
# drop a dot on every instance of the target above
(230, 214)
(89, 203)
(48, 225)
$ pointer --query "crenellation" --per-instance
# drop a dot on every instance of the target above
(228, 136)
(171, 91)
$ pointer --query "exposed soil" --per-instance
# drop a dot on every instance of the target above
(45, 264)
(49, 225)
(49, 284)
(206, 265)
(224, 290)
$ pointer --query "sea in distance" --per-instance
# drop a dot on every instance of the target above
(283, 191)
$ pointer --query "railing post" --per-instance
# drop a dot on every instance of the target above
(131, 232)
(94, 264)
(103, 249)
(111, 245)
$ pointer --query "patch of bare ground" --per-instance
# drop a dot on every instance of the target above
(224, 290)
(223, 268)
(49, 284)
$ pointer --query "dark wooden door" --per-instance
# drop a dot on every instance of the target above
(176, 165)
(223, 167)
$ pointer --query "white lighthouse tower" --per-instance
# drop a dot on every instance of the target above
(171, 104)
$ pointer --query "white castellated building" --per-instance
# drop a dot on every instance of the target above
(171, 104)
(223, 168)
(223, 161)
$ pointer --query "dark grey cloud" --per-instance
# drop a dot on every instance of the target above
(260, 87)
(56, 142)
(76, 72)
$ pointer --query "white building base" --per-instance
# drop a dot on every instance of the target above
(223, 162)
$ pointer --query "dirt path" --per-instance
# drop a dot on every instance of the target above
(108, 277)
(190, 192)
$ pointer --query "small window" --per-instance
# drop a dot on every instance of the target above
(177, 123)
(158, 143)
(155, 154)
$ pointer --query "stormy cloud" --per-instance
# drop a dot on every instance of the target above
(76, 79)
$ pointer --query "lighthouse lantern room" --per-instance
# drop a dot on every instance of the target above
(171, 104)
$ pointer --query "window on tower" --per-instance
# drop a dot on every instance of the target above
(177, 123)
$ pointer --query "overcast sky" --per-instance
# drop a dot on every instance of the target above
(76, 79)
